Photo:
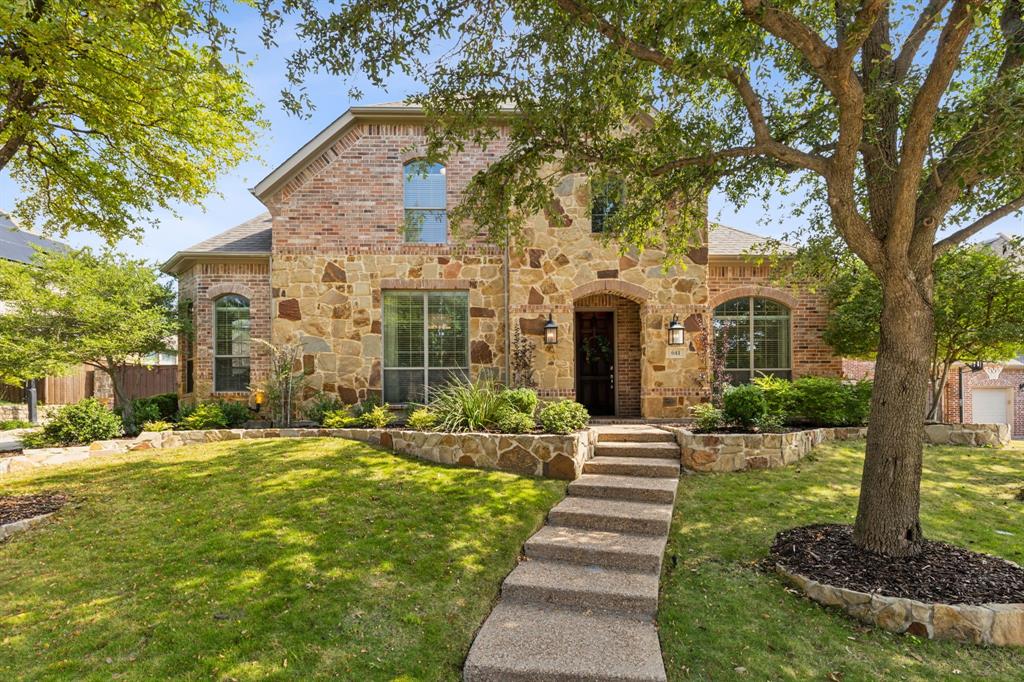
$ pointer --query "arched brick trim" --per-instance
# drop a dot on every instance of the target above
(218, 290)
(780, 295)
(633, 292)
(417, 152)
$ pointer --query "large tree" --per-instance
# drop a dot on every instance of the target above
(110, 109)
(898, 124)
(101, 309)
(978, 305)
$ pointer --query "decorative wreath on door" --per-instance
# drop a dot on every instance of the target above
(597, 347)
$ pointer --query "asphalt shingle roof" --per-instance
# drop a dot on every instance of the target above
(728, 241)
(16, 244)
(252, 236)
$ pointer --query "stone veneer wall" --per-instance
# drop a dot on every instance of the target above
(997, 624)
(735, 277)
(202, 284)
(740, 451)
(19, 411)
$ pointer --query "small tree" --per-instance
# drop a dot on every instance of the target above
(82, 307)
(283, 385)
(978, 307)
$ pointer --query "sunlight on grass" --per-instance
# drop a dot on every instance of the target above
(719, 613)
(277, 559)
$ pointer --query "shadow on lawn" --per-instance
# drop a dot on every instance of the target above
(263, 558)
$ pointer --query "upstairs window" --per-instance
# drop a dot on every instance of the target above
(753, 333)
(426, 342)
(426, 208)
(606, 197)
(231, 344)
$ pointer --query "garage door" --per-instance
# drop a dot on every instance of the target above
(989, 406)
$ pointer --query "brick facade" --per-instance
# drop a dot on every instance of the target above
(1011, 378)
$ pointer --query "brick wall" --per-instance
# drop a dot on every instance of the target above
(202, 284)
(1010, 378)
(734, 278)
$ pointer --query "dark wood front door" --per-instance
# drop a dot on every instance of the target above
(595, 361)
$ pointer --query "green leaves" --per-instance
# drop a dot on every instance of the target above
(110, 110)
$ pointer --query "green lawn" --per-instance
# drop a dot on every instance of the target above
(722, 619)
(280, 559)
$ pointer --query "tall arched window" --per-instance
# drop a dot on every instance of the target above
(753, 333)
(231, 343)
(426, 208)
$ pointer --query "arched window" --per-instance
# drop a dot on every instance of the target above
(753, 334)
(426, 214)
(231, 343)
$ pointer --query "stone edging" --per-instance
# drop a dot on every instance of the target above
(9, 529)
(740, 451)
(996, 624)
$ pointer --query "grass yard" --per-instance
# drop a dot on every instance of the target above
(722, 619)
(280, 559)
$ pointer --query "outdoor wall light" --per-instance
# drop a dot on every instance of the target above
(550, 331)
(976, 366)
(676, 332)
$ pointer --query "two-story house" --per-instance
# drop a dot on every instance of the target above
(354, 260)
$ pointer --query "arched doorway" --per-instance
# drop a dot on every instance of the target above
(608, 354)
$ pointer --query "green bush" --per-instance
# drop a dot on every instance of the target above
(514, 421)
(162, 407)
(769, 423)
(779, 395)
(468, 406)
(340, 419)
(235, 412)
(364, 406)
(15, 424)
(203, 416)
(35, 439)
(377, 417)
(744, 405)
(858, 403)
(565, 416)
(321, 405)
(421, 419)
(83, 422)
(158, 425)
(523, 400)
(706, 417)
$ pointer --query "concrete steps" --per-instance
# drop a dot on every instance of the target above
(581, 605)
(633, 466)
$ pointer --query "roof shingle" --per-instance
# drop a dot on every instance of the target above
(728, 241)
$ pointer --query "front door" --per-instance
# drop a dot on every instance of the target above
(595, 361)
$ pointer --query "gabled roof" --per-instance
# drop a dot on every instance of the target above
(728, 241)
(16, 244)
(251, 239)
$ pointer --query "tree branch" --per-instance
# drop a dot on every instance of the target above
(978, 225)
(924, 23)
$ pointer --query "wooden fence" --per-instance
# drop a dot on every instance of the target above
(86, 382)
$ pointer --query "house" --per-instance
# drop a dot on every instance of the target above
(353, 259)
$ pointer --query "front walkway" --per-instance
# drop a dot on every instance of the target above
(581, 604)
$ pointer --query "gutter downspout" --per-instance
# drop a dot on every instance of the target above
(960, 391)
(506, 262)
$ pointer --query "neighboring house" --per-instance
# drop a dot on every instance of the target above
(354, 260)
(18, 245)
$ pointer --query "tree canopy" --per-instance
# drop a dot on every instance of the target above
(110, 110)
(102, 309)
(978, 304)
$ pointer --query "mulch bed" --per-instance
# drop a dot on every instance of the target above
(17, 507)
(940, 574)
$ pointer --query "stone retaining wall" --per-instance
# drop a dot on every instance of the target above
(998, 624)
(19, 411)
(550, 455)
(996, 435)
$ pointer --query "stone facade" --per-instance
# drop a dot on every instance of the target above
(995, 624)
(721, 452)
(338, 243)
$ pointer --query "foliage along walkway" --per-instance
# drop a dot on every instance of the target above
(581, 605)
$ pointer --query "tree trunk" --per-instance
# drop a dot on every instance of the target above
(887, 515)
(122, 400)
(938, 385)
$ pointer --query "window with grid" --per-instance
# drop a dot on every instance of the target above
(426, 214)
(231, 343)
(753, 335)
(426, 342)
(606, 196)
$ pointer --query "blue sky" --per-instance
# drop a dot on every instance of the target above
(287, 133)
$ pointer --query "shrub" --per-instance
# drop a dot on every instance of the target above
(83, 422)
(161, 407)
(564, 416)
(858, 403)
(364, 406)
(779, 395)
(514, 421)
(340, 419)
(377, 417)
(35, 439)
(158, 425)
(467, 406)
(523, 400)
(744, 405)
(421, 419)
(203, 416)
(769, 423)
(706, 416)
(823, 401)
(235, 412)
(15, 424)
(321, 405)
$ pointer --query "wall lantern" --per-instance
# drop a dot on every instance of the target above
(676, 332)
(976, 366)
(550, 331)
